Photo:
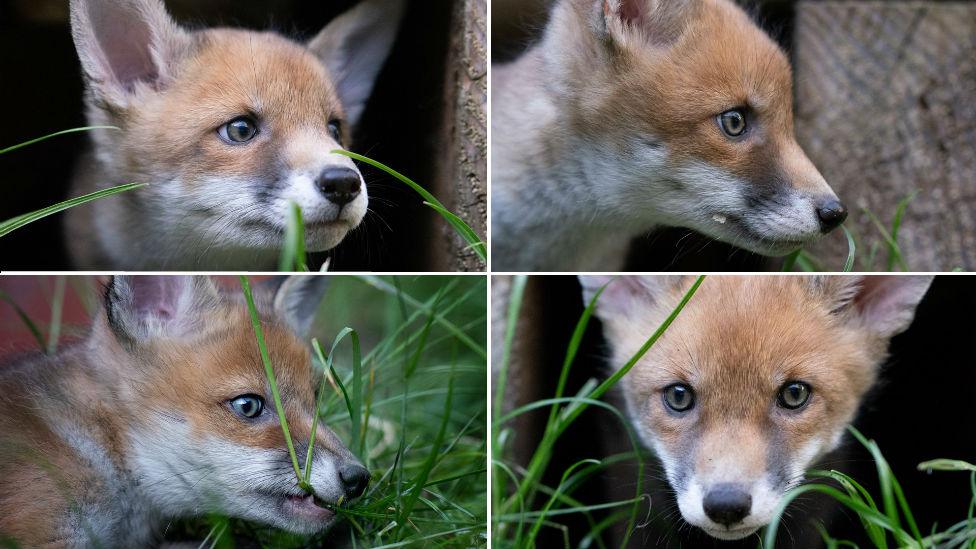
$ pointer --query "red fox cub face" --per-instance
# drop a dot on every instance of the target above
(757, 378)
(230, 127)
(204, 433)
(690, 106)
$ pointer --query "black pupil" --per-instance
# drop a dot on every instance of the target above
(249, 407)
(795, 394)
(334, 129)
(679, 397)
(241, 130)
(734, 122)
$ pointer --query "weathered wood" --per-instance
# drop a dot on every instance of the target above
(463, 169)
(886, 106)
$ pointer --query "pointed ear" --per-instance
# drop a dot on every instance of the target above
(124, 44)
(354, 47)
(884, 305)
(621, 294)
(296, 299)
(141, 308)
(657, 22)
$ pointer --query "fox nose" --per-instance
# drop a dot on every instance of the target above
(727, 504)
(339, 185)
(354, 479)
(831, 213)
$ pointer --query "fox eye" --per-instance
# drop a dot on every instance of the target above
(794, 395)
(249, 406)
(335, 130)
(238, 130)
(733, 122)
(679, 397)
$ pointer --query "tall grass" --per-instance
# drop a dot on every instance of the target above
(516, 490)
(887, 520)
(397, 407)
(20, 221)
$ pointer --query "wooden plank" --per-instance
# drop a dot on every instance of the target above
(463, 169)
(886, 106)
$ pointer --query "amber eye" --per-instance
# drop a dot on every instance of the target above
(793, 395)
(335, 130)
(679, 397)
(733, 122)
(239, 130)
(248, 406)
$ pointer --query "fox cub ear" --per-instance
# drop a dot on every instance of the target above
(657, 22)
(124, 44)
(884, 305)
(622, 293)
(295, 299)
(142, 308)
(354, 47)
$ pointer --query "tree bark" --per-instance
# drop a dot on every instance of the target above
(886, 108)
(463, 170)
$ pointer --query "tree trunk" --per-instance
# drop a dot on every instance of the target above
(886, 108)
(463, 169)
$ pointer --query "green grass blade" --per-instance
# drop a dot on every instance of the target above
(432, 458)
(293, 257)
(55, 134)
(537, 526)
(896, 222)
(465, 230)
(20, 221)
(318, 411)
(26, 319)
(946, 465)
(272, 381)
(894, 251)
(790, 261)
(54, 327)
(851, 250)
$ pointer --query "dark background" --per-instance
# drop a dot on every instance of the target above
(41, 89)
(921, 409)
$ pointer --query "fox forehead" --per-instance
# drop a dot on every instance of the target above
(227, 362)
(721, 61)
(232, 73)
(740, 330)
(193, 381)
(736, 343)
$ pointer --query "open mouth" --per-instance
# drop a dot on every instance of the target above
(307, 507)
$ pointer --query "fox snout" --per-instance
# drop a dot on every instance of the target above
(355, 479)
(727, 504)
(832, 213)
(339, 185)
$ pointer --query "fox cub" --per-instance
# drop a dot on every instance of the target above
(633, 114)
(756, 380)
(164, 411)
(228, 128)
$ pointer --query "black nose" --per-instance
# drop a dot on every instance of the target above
(831, 213)
(339, 185)
(727, 504)
(354, 479)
